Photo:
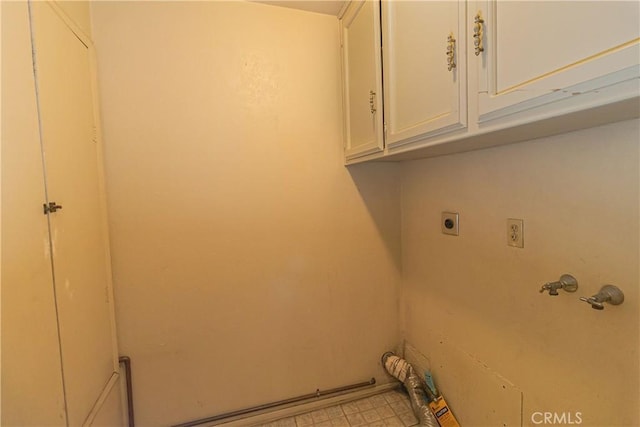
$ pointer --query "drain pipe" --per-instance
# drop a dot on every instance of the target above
(404, 372)
(126, 361)
(318, 394)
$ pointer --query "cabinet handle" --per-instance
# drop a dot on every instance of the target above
(451, 52)
(478, 32)
(372, 101)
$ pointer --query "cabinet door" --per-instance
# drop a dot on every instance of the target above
(424, 68)
(32, 393)
(78, 230)
(541, 52)
(362, 79)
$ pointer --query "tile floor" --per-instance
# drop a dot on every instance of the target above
(387, 409)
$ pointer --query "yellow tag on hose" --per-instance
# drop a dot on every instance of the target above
(443, 414)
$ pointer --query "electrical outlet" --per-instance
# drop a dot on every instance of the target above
(449, 223)
(515, 233)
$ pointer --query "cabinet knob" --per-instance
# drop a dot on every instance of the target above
(478, 33)
(451, 52)
(372, 101)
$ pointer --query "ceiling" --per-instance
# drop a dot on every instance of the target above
(328, 7)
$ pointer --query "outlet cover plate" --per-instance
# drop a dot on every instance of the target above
(515, 233)
(450, 223)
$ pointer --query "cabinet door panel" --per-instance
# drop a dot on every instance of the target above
(422, 96)
(32, 393)
(362, 79)
(540, 52)
(79, 241)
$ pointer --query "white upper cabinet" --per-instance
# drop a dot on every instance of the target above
(362, 79)
(538, 55)
(461, 75)
(424, 63)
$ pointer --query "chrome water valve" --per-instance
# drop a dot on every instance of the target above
(608, 293)
(566, 282)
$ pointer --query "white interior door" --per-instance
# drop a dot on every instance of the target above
(78, 231)
(32, 391)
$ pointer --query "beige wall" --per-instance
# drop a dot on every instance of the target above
(249, 264)
(472, 302)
